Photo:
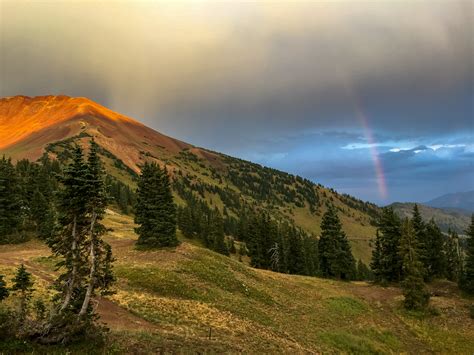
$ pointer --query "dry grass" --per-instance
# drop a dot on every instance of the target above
(183, 294)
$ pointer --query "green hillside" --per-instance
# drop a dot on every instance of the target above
(234, 184)
(192, 300)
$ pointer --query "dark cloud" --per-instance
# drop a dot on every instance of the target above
(276, 82)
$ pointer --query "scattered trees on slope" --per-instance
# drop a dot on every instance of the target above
(85, 259)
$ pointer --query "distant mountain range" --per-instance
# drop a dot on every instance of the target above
(458, 200)
(446, 218)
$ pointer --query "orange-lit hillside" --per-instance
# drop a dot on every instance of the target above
(21, 116)
(29, 124)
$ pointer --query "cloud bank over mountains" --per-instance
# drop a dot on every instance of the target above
(277, 82)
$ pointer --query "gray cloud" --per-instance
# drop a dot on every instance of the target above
(262, 80)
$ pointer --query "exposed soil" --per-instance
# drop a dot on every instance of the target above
(111, 314)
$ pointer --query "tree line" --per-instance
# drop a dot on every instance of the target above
(413, 252)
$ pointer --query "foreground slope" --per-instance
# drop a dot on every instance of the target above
(30, 127)
(190, 299)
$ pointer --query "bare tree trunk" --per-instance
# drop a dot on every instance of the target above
(90, 286)
(72, 278)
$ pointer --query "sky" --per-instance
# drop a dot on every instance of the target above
(372, 98)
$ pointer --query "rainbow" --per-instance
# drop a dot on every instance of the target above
(379, 173)
(369, 137)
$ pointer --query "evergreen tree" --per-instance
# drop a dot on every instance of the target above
(435, 254)
(186, 222)
(453, 257)
(70, 242)
(3, 289)
(155, 211)
(414, 291)
(376, 262)
(467, 279)
(296, 257)
(389, 229)
(217, 233)
(363, 272)
(310, 249)
(422, 241)
(10, 201)
(335, 255)
(23, 284)
(43, 215)
(96, 202)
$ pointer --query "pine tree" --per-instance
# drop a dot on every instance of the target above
(376, 262)
(310, 249)
(70, 241)
(389, 229)
(3, 289)
(155, 211)
(296, 257)
(43, 215)
(217, 233)
(363, 272)
(95, 210)
(335, 255)
(467, 279)
(422, 241)
(435, 255)
(453, 257)
(23, 284)
(10, 201)
(414, 291)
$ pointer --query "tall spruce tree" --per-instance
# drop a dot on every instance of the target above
(335, 255)
(155, 211)
(10, 201)
(311, 253)
(413, 287)
(423, 244)
(296, 262)
(217, 233)
(435, 254)
(100, 257)
(376, 262)
(70, 242)
(467, 277)
(389, 229)
(43, 215)
(453, 257)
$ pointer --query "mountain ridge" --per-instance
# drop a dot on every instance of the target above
(223, 181)
(457, 200)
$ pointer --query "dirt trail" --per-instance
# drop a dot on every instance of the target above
(111, 314)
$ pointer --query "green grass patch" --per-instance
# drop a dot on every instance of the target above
(159, 281)
(345, 306)
(349, 343)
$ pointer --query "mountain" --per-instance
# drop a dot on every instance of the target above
(33, 126)
(446, 219)
(458, 200)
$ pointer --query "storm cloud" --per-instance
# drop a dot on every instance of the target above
(268, 81)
